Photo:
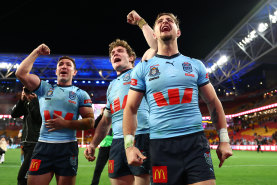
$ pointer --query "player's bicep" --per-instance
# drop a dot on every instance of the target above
(30, 81)
(86, 112)
(134, 100)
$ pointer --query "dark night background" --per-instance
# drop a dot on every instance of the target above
(87, 27)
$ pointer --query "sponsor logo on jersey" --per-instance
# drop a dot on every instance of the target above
(87, 101)
(154, 71)
(111, 166)
(187, 67)
(167, 62)
(34, 166)
(187, 74)
(159, 174)
(72, 95)
(207, 75)
(50, 92)
(126, 83)
(134, 82)
(126, 77)
(70, 101)
(208, 158)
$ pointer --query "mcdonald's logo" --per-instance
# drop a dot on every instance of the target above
(34, 166)
(111, 166)
(159, 174)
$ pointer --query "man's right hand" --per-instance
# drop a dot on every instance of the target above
(134, 156)
(89, 153)
(133, 17)
(42, 49)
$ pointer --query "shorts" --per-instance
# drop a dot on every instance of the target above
(118, 165)
(60, 158)
(181, 160)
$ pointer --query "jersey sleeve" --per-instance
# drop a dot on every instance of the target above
(108, 103)
(203, 77)
(42, 88)
(138, 78)
(84, 99)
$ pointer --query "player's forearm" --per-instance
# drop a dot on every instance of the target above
(148, 35)
(129, 121)
(219, 120)
(100, 133)
(81, 124)
(217, 114)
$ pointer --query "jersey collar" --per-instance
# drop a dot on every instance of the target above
(124, 72)
(168, 57)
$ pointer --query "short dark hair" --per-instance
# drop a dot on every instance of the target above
(174, 17)
(69, 58)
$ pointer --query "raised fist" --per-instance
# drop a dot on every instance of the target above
(43, 49)
(133, 17)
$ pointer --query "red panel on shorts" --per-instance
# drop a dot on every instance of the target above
(35, 163)
(111, 166)
(159, 174)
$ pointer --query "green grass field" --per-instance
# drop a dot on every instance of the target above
(243, 168)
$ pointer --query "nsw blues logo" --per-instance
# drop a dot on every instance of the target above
(154, 71)
(127, 77)
(50, 92)
(73, 161)
(187, 67)
(72, 95)
(208, 158)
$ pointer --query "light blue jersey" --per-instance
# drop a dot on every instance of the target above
(64, 101)
(171, 87)
(117, 94)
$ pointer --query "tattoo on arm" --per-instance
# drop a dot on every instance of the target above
(214, 116)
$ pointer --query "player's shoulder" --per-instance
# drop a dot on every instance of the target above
(78, 90)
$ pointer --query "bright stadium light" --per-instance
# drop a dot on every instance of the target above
(249, 38)
(222, 60)
(262, 27)
(273, 18)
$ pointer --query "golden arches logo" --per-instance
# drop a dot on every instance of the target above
(35, 165)
(111, 166)
(159, 172)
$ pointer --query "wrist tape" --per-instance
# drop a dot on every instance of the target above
(129, 141)
(141, 23)
(223, 135)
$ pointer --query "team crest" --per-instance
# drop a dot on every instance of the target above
(127, 77)
(187, 67)
(208, 158)
(72, 95)
(154, 71)
(50, 92)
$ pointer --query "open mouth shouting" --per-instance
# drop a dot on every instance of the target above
(165, 28)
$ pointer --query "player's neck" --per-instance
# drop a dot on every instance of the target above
(123, 71)
(167, 48)
(64, 83)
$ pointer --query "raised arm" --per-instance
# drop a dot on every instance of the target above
(135, 19)
(31, 81)
(217, 114)
(134, 156)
